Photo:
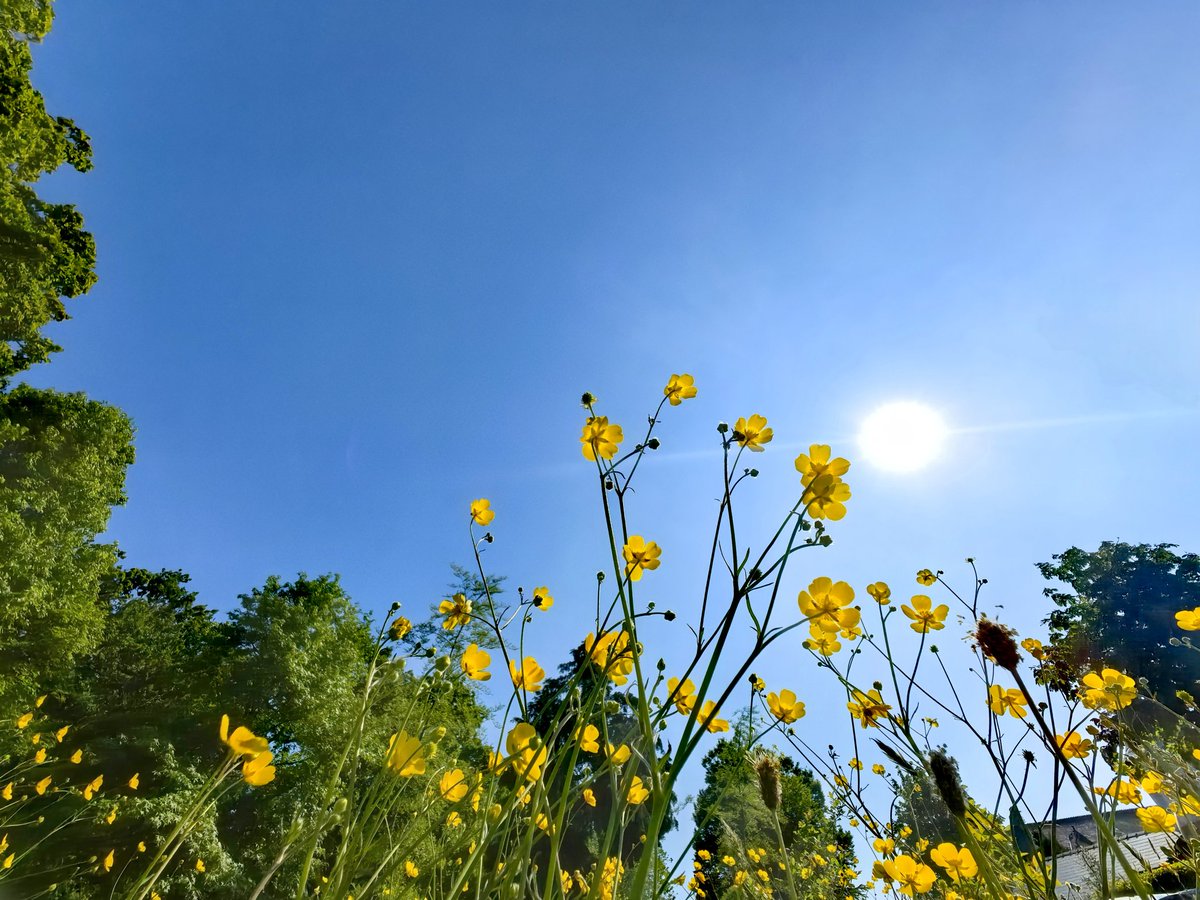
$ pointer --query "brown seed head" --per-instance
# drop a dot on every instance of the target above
(997, 642)
(766, 766)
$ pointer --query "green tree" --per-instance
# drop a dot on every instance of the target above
(1119, 610)
(733, 821)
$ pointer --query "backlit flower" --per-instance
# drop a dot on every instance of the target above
(589, 738)
(823, 602)
(600, 439)
(752, 433)
(639, 556)
(1034, 648)
(785, 707)
(868, 707)
(475, 662)
(481, 512)
(816, 462)
(1188, 619)
(453, 785)
(527, 754)
(926, 617)
(589, 796)
(637, 792)
(679, 388)
(682, 695)
(708, 718)
(612, 653)
(825, 498)
(1155, 818)
(881, 593)
(926, 577)
(911, 877)
(410, 869)
(618, 756)
(528, 676)
(258, 770)
(457, 611)
(243, 741)
(541, 598)
(1109, 689)
(821, 641)
(1073, 746)
(406, 755)
(1011, 701)
(958, 862)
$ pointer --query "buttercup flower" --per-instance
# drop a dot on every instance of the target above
(589, 738)
(481, 512)
(528, 676)
(637, 792)
(618, 756)
(406, 755)
(823, 602)
(679, 388)
(884, 846)
(640, 556)
(816, 462)
(453, 785)
(926, 577)
(708, 718)
(541, 598)
(1111, 690)
(258, 770)
(243, 741)
(911, 877)
(881, 593)
(525, 758)
(589, 796)
(1155, 818)
(40, 787)
(410, 869)
(958, 862)
(825, 498)
(1073, 746)
(89, 790)
(752, 433)
(785, 707)
(612, 653)
(24, 721)
(1011, 701)
(1188, 619)
(399, 628)
(600, 440)
(109, 860)
(868, 707)
(457, 611)
(821, 641)
(134, 781)
(475, 662)
(1034, 648)
(926, 617)
(61, 733)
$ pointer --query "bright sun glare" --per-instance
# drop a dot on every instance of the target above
(902, 437)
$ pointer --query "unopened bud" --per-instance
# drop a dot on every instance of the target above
(722, 427)
(653, 443)
(442, 664)
(669, 616)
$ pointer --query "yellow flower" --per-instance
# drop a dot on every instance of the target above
(639, 556)
(454, 820)
(526, 751)
(457, 611)
(683, 695)
(410, 869)
(40, 787)
(141, 846)
(528, 676)
(612, 653)
(589, 796)
(824, 601)
(40, 700)
(637, 792)
(1011, 701)
(475, 663)
(1155, 818)
(406, 756)
(878, 769)
(926, 617)
(958, 863)
(112, 816)
(7, 791)
(1124, 791)
(77, 757)
(243, 741)
(826, 498)
(856, 764)
(1034, 648)
(1110, 690)
(1188, 619)
(399, 628)
(816, 462)
(1152, 782)
(61, 733)
(589, 738)
(868, 707)
(90, 789)
(911, 877)
(257, 770)
(600, 439)
(199, 865)
(24, 721)
(1073, 746)
(884, 846)
(109, 860)
(752, 433)
(618, 756)
(679, 388)
(453, 785)
(926, 577)
(40, 756)
(824, 642)
(481, 512)
(708, 719)
(785, 707)
(541, 598)
(880, 592)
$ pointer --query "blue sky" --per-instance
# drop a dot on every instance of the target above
(357, 264)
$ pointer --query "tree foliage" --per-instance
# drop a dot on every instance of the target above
(1119, 610)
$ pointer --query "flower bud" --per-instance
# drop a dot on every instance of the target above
(442, 664)
(611, 707)
(669, 616)
(722, 427)
(653, 443)
(439, 732)
(588, 398)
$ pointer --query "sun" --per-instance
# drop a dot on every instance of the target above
(902, 437)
